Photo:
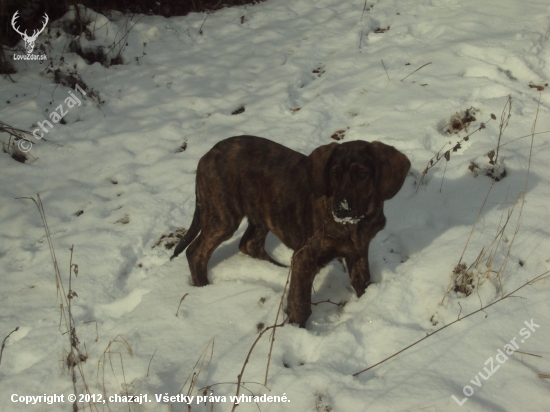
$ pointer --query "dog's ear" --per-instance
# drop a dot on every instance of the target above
(393, 168)
(317, 169)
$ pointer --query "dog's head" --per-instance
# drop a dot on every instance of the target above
(356, 176)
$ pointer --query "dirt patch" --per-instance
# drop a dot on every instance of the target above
(169, 240)
(338, 135)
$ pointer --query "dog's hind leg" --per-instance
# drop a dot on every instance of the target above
(200, 251)
(253, 242)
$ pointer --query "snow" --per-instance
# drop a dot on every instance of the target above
(119, 162)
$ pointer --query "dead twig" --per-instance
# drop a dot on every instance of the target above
(383, 65)
(364, 7)
(240, 375)
(151, 360)
(523, 137)
(424, 65)
(329, 301)
(4, 342)
(527, 353)
(208, 14)
(181, 300)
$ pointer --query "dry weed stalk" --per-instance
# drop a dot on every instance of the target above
(107, 355)
(525, 187)
(201, 368)
(383, 65)
(447, 154)
(504, 119)
(150, 361)
(181, 300)
(424, 65)
(4, 342)
(493, 247)
(207, 14)
(494, 170)
(364, 7)
(527, 353)
(487, 255)
(523, 137)
(75, 356)
(240, 375)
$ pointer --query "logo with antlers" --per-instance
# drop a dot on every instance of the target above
(29, 40)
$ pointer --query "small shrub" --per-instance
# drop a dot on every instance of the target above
(460, 121)
(463, 279)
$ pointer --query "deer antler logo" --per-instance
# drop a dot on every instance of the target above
(29, 40)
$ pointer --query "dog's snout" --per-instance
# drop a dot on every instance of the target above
(343, 209)
(343, 205)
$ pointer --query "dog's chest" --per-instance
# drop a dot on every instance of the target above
(343, 239)
(337, 240)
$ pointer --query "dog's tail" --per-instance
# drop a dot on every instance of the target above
(191, 234)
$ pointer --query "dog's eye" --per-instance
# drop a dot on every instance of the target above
(335, 173)
(362, 174)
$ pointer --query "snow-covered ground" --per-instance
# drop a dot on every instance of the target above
(115, 178)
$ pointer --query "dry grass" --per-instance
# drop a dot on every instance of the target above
(441, 154)
(200, 366)
(483, 267)
(75, 357)
(107, 358)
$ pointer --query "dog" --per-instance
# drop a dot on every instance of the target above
(327, 205)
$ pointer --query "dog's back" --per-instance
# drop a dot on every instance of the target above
(257, 178)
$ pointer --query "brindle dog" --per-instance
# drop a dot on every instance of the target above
(327, 205)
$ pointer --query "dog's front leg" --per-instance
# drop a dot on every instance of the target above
(304, 269)
(359, 272)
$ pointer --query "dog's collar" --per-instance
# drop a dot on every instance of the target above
(345, 220)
